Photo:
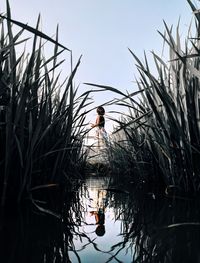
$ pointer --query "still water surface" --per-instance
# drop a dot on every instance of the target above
(98, 245)
(102, 221)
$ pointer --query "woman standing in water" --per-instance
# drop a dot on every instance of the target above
(100, 124)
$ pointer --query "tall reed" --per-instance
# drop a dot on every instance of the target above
(161, 129)
(41, 120)
(172, 131)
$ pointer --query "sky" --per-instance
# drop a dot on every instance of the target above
(102, 31)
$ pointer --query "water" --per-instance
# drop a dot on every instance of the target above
(132, 228)
(98, 244)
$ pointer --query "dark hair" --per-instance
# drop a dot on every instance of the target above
(100, 110)
(100, 230)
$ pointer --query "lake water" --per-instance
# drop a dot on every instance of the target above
(97, 246)
(104, 222)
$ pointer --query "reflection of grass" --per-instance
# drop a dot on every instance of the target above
(41, 128)
(30, 236)
(155, 241)
(157, 229)
(98, 168)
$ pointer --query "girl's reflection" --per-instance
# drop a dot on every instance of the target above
(100, 213)
(100, 220)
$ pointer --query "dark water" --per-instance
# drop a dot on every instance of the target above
(103, 222)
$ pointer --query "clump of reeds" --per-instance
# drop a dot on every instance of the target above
(41, 120)
(171, 129)
(161, 129)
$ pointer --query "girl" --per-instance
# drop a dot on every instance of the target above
(100, 123)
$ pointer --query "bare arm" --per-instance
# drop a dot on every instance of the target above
(97, 122)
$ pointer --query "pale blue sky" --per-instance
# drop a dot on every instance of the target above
(103, 30)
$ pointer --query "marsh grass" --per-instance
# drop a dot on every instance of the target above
(41, 120)
(171, 131)
(160, 129)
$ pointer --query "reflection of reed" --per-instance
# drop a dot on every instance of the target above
(96, 195)
(39, 238)
(154, 231)
(162, 231)
(34, 239)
